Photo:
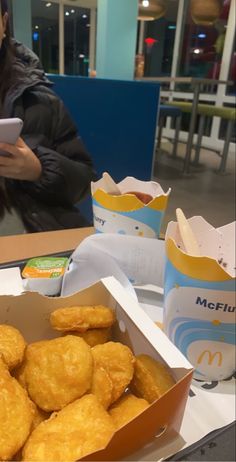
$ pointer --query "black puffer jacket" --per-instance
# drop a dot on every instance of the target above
(67, 170)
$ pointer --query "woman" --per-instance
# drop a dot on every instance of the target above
(48, 170)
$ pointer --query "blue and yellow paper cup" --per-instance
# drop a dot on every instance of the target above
(199, 306)
(137, 211)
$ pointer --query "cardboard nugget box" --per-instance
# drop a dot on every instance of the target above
(30, 314)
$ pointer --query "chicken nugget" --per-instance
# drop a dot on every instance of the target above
(58, 371)
(82, 318)
(151, 378)
(118, 361)
(12, 345)
(102, 386)
(95, 336)
(15, 414)
(79, 429)
(19, 371)
(126, 408)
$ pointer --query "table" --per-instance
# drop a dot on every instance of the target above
(197, 84)
(219, 445)
(25, 246)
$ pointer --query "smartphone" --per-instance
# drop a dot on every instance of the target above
(10, 130)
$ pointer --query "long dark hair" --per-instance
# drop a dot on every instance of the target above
(6, 57)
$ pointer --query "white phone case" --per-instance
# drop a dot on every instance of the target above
(10, 130)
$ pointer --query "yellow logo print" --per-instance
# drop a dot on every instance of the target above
(211, 357)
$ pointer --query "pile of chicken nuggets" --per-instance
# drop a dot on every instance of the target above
(63, 399)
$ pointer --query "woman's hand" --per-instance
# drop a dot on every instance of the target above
(20, 163)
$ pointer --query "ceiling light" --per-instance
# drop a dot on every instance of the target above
(48, 5)
(81, 56)
(145, 3)
(72, 11)
(156, 10)
(197, 51)
(67, 13)
(84, 16)
(87, 25)
(36, 27)
(205, 13)
(201, 36)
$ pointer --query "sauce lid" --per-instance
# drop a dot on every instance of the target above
(45, 267)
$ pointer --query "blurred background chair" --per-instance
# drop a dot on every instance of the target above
(175, 113)
(204, 111)
(117, 121)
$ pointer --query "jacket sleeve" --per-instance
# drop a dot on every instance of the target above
(67, 168)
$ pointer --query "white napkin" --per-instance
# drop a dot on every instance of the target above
(131, 260)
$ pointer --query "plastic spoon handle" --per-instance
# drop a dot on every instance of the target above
(111, 186)
(186, 232)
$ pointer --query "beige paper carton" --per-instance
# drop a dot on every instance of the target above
(138, 211)
(199, 314)
(30, 314)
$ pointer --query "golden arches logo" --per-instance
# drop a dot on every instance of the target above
(211, 356)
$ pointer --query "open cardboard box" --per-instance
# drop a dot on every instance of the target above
(30, 314)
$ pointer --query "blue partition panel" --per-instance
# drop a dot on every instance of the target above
(117, 121)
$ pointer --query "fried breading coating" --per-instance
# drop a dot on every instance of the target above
(19, 371)
(102, 386)
(58, 371)
(12, 345)
(38, 415)
(79, 429)
(19, 374)
(151, 378)
(126, 408)
(15, 414)
(118, 361)
(82, 318)
(95, 336)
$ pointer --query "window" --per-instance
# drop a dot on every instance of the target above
(77, 27)
(202, 47)
(45, 34)
(159, 37)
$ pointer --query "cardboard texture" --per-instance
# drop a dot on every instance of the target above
(199, 316)
(127, 213)
(30, 312)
